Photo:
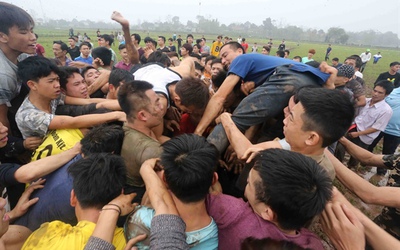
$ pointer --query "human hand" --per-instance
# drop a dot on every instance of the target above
(353, 134)
(325, 68)
(130, 244)
(223, 118)
(342, 227)
(78, 64)
(121, 116)
(171, 125)
(32, 143)
(251, 153)
(97, 63)
(247, 87)
(116, 16)
(24, 202)
(124, 202)
(230, 154)
(173, 114)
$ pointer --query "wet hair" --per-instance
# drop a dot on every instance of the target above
(12, 15)
(294, 186)
(119, 75)
(35, 67)
(192, 92)
(132, 97)
(159, 57)
(328, 112)
(97, 179)
(65, 73)
(189, 163)
(103, 139)
(104, 54)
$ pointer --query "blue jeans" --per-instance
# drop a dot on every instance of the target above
(267, 101)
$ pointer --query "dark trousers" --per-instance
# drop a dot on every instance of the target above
(390, 144)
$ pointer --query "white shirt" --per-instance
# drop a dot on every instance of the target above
(365, 57)
(374, 116)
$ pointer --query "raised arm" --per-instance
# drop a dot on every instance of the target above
(85, 121)
(216, 103)
(130, 49)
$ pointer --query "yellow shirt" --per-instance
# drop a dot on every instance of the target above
(57, 141)
(58, 235)
(215, 48)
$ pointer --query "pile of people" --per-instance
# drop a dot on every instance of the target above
(221, 149)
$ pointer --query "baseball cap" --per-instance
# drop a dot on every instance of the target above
(346, 71)
(368, 50)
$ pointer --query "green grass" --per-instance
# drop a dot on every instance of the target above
(48, 35)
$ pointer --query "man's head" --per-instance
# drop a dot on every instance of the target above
(161, 41)
(297, 58)
(140, 103)
(60, 49)
(117, 78)
(216, 66)
(189, 39)
(311, 53)
(394, 67)
(280, 53)
(85, 48)
(106, 41)
(103, 139)
(229, 52)
(189, 163)
(186, 49)
(287, 53)
(287, 188)
(41, 76)
(16, 29)
(335, 61)
(160, 57)
(104, 54)
(381, 90)
(198, 70)
(191, 95)
(71, 42)
(136, 38)
(72, 82)
(90, 74)
(97, 179)
(319, 118)
(265, 50)
(345, 73)
(367, 51)
(354, 61)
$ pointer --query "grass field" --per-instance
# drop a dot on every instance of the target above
(47, 36)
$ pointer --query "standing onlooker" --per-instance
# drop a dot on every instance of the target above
(39, 48)
(245, 45)
(216, 46)
(73, 50)
(171, 46)
(281, 46)
(392, 75)
(365, 57)
(254, 49)
(328, 52)
(308, 58)
(336, 63)
(179, 40)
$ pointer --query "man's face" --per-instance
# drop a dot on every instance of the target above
(85, 50)
(197, 73)
(184, 51)
(160, 42)
(123, 53)
(154, 108)
(378, 94)
(49, 86)
(216, 68)
(102, 42)
(286, 54)
(20, 40)
(190, 40)
(58, 52)
(395, 68)
(335, 63)
(227, 55)
(293, 128)
(91, 75)
(264, 51)
(207, 66)
(76, 87)
(351, 62)
(250, 191)
(71, 42)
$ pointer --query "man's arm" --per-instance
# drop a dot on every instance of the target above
(99, 82)
(364, 156)
(385, 196)
(364, 132)
(36, 169)
(130, 49)
(85, 121)
(3, 116)
(216, 103)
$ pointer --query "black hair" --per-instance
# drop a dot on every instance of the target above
(357, 59)
(189, 163)
(335, 59)
(108, 38)
(387, 85)
(137, 37)
(394, 64)
(234, 46)
(280, 53)
(97, 179)
(121, 46)
(328, 112)
(103, 139)
(163, 38)
(132, 97)
(12, 15)
(160, 57)
(85, 69)
(198, 66)
(219, 78)
(287, 51)
(199, 40)
(192, 92)
(119, 75)
(294, 186)
(64, 46)
(210, 57)
(216, 60)
(104, 54)
(35, 67)
(197, 56)
(65, 73)
(85, 43)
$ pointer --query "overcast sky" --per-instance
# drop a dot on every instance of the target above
(352, 15)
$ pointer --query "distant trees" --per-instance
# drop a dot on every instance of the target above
(336, 35)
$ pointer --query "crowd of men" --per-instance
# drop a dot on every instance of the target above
(224, 148)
